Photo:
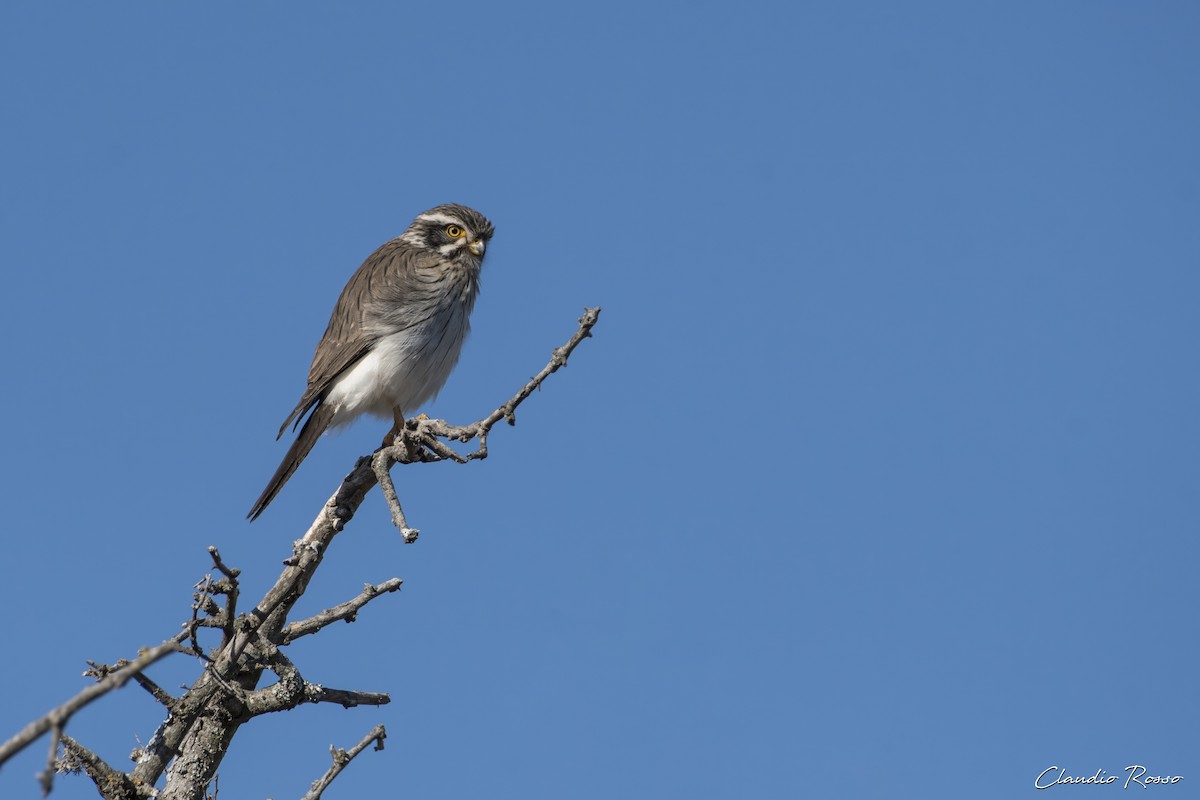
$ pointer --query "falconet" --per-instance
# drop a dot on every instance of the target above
(395, 333)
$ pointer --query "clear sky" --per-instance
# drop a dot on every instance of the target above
(878, 479)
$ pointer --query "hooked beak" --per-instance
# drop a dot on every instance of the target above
(477, 247)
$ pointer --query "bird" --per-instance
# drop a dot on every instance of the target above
(395, 333)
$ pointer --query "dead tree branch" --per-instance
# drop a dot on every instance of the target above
(420, 441)
(341, 758)
(110, 782)
(58, 717)
(189, 745)
(347, 611)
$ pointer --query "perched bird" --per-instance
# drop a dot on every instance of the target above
(395, 333)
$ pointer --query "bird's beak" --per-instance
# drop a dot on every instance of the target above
(477, 247)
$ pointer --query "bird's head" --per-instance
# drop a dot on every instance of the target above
(453, 231)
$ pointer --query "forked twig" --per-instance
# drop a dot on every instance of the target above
(343, 757)
(346, 611)
(420, 440)
(57, 718)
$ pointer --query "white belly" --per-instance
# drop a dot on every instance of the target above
(404, 369)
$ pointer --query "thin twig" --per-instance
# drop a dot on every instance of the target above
(46, 777)
(291, 690)
(109, 781)
(156, 691)
(231, 577)
(558, 359)
(346, 611)
(114, 680)
(343, 757)
(346, 698)
(419, 440)
(382, 462)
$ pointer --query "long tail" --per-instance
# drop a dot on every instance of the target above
(314, 426)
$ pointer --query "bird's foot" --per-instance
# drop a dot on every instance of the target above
(391, 436)
(398, 425)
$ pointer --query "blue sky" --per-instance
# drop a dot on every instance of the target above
(878, 478)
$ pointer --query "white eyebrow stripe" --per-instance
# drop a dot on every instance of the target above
(444, 219)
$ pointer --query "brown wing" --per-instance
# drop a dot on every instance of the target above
(347, 338)
(372, 296)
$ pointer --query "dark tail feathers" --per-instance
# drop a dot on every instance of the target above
(314, 426)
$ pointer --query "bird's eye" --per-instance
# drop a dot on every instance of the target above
(454, 232)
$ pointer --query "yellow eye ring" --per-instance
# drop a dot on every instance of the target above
(455, 232)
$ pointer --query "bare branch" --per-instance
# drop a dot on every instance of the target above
(419, 441)
(221, 695)
(202, 602)
(381, 463)
(46, 777)
(191, 742)
(346, 698)
(156, 691)
(291, 690)
(343, 757)
(231, 591)
(111, 783)
(346, 611)
(557, 359)
(114, 680)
